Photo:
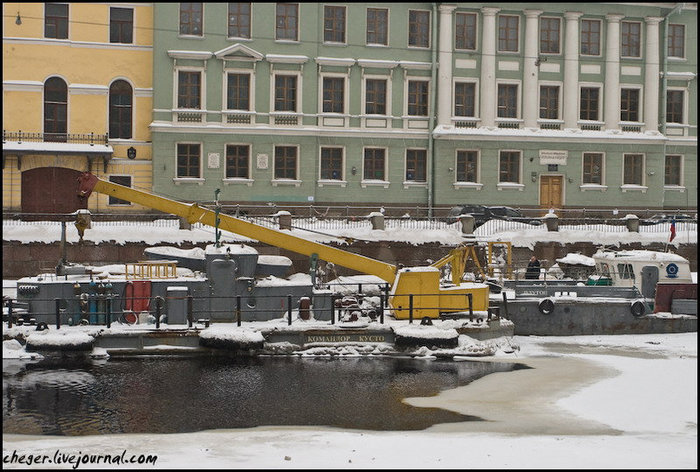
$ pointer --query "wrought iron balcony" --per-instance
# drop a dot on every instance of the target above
(21, 136)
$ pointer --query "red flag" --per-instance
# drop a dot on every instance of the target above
(673, 230)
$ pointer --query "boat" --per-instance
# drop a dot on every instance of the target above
(630, 292)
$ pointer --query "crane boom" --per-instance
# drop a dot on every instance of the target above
(196, 214)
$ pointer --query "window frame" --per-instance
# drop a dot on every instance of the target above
(58, 21)
(629, 109)
(416, 161)
(639, 168)
(58, 122)
(458, 171)
(115, 201)
(202, 81)
(239, 14)
(681, 177)
(118, 25)
(507, 39)
(682, 106)
(558, 87)
(585, 171)
(387, 92)
(188, 166)
(341, 177)
(297, 89)
(121, 110)
(286, 26)
(599, 102)
(420, 41)
(517, 86)
(465, 35)
(276, 168)
(248, 161)
(227, 89)
(672, 46)
(418, 94)
(367, 26)
(519, 154)
(192, 23)
(549, 40)
(624, 38)
(474, 85)
(385, 163)
(583, 33)
(343, 79)
(343, 32)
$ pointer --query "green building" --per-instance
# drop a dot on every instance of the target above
(531, 105)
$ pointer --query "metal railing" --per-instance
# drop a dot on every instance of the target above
(72, 138)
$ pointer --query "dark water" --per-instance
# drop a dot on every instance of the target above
(176, 395)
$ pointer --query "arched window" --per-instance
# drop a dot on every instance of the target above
(120, 102)
(55, 110)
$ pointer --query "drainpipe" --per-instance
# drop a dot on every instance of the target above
(431, 122)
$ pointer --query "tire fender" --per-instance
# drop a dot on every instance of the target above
(637, 308)
(546, 306)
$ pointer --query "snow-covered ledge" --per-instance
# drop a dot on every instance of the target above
(332, 183)
(374, 183)
(238, 181)
(510, 186)
(188, 180)
(413, 183)
(674, 188)
(634, 188)
(596, 187)
(468, 185)
(290, 182)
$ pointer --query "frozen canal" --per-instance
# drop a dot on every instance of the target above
(177, 395)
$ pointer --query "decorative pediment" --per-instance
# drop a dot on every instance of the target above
(239, 52)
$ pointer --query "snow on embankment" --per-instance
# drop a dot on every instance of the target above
(231, 337)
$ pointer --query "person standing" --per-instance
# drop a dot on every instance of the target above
(533, 269)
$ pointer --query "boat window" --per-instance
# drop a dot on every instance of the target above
(625, 271)
(604, 269)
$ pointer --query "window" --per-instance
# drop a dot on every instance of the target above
(56, 20)
(286, 162)
(550, 29)
(191, 19)
(507, 101)
(55, 110)
(629, 105)
(590, 101)
(672, 170)
(419, 28)
(509, 167)
(415, 165)
(124, 180)
(676, 41)
(374, 164)
(238, 92)
(631, 39)
(625, 271)
(593, 168)
(418, 97)
(120, 104)
(465, 32)
(634, 169)
(189, 89)
(467, 166)
(333, 95)
(237, 161)
(121, 25)
(239, 20)
(590, 37)
(188, 160)
(332, 163)
(287, 21)
(333, 24)
(375, 96)
(508, 33)
(465, 99)
(549, 102)
(286, 93)
(674, 106)
(377, 26)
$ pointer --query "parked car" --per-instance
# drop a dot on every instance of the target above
(483, 213)
(666, 218)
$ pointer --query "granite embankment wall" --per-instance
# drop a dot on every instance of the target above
(26, 259)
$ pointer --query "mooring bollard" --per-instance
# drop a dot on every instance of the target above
(289, 310)
(58, 313)
(159, 306)
(238, 310)
(410, 308)
(505, 304)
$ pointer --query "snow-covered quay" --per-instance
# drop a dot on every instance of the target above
(588, 402)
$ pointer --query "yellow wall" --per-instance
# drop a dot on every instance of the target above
(89, 63)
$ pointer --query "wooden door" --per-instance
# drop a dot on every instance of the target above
(551, 191)
(51, 190)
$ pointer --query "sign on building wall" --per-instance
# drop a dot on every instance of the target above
(553, 157)
(213, 160)
(262, 161)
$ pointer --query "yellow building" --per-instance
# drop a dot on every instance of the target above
(77, 96)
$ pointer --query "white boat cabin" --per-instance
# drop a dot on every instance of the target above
(641, 267)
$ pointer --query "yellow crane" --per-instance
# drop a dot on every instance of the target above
(412, 288)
